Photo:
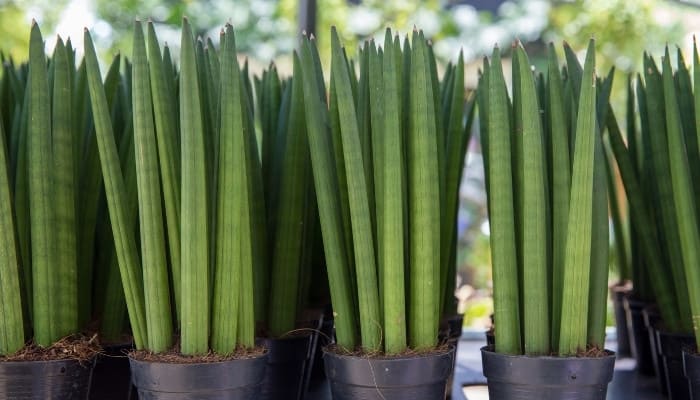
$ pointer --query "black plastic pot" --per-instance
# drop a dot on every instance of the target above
(546, 378)
(617, 294)
(671, 346)
(420, 377)
(56, 379)
(639, 337)
(652, 319)
(691, 370)
(287, 361)
(450, 336)
(238, 379)
(111, 378)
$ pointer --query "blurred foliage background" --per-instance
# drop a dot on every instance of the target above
(268, 30)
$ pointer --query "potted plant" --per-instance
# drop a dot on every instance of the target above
(663, 208)
(548, 218)
(211, 265)
(669, 111)
(378, 145)
(42, 350)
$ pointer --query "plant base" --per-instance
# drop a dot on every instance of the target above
(546, 378)
(639, 337)
(55, 379)
(671, 348)
(287, 361)
(237, 379)
(415, 377)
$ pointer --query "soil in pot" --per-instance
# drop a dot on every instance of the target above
(547, 378)
(691, 370)
(671, 346)
(176, 377)
(419, 376)
(59, 372)
(287, 361)
(111, 378)
(617, 294)
(639, 337)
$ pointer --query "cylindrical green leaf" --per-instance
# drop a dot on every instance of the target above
(424, 202)
(129, 264)
(39, 169)
(155, 269)
(194, 303)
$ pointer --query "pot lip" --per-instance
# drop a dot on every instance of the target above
(57, 361)
(691, 351)
(384, 358)
(677, 335)
(487, 349)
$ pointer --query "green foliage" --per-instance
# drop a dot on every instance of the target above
(388, 137)
(542, 181)
(194, 328)
(12, 332)
(155, 269)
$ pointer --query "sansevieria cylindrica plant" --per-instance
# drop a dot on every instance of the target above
(547, 198)
(387, 149)
(192, 272)
(659, 173)
(39, 210)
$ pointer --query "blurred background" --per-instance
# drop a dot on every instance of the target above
(268, 30)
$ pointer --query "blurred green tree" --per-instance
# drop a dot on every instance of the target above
(623, 29)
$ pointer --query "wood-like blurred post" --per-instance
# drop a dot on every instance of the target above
(307, 16)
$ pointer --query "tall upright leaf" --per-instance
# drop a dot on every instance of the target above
(361, 224)
(228, 266)
(39, 167)
(577, 262)
(194, 292)
(390, 180)
(532, 163)
(125, 244)
(423, 199)
(165, 116)
(327, 196)
(155, 268)
(560, 167)
(11, 318)
(501, 212)
(63, 189)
